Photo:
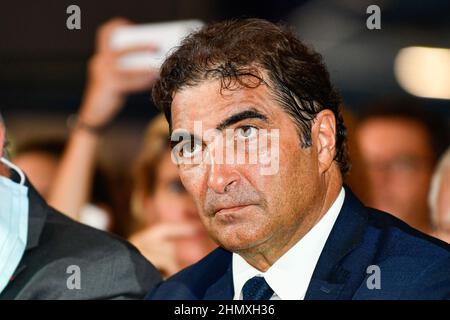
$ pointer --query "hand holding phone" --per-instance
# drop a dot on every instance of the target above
(161, 36)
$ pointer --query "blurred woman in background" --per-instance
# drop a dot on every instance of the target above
(169, 230)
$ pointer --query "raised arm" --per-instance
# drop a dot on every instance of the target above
(107, 88)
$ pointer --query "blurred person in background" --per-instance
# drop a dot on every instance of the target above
(106, 91)
(168, 230)
(171, 234)
(356, 178)
(45, 255)
(439, 198)
(39, 159)
(400, 144)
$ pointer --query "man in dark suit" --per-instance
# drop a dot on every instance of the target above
(45, 255)
(243, 90)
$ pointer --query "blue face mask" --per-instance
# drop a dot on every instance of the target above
(13, 223)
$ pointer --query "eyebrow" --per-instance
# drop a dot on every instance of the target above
(251, 113)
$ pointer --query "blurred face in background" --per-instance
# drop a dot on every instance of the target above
(40, 168)
(399, 159)
(170, 203)
(443, 204)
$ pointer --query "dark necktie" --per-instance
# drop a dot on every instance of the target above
(257, 289)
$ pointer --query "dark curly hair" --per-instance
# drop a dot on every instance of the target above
(232, 51)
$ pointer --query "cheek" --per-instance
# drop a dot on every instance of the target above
(169, 209)
(299, 177)
(194, 180)
(298, 164)
(290, 183)
(160, 205)
(414, 185)
(174, 208)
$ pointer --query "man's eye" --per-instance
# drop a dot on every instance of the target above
(189, 149)
(246, 132)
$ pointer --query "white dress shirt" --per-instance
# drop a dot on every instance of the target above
(290, 275)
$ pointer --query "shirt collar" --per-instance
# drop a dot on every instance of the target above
(290, 275)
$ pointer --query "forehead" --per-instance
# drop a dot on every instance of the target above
(206, 102)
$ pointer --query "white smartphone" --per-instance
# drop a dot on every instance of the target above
(164, 36)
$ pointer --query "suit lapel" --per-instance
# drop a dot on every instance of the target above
(323, 290)
(330, 279)
(37, 216)
(222, 289)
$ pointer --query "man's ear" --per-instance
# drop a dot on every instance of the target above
(324, 138)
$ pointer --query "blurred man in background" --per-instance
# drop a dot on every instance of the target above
(39, 159)
(439, 199)
(41, 250)
(400, 144)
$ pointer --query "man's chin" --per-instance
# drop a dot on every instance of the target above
(239, 232)
(236, 243)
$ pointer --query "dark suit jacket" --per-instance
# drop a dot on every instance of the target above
(110, 268)
(412, 265)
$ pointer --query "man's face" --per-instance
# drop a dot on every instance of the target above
(240, 207)
(398, 157)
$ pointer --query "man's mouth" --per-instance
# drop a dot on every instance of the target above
(230, 209)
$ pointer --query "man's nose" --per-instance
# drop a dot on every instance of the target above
(222, 177)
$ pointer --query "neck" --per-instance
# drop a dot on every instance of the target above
(265, 255)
